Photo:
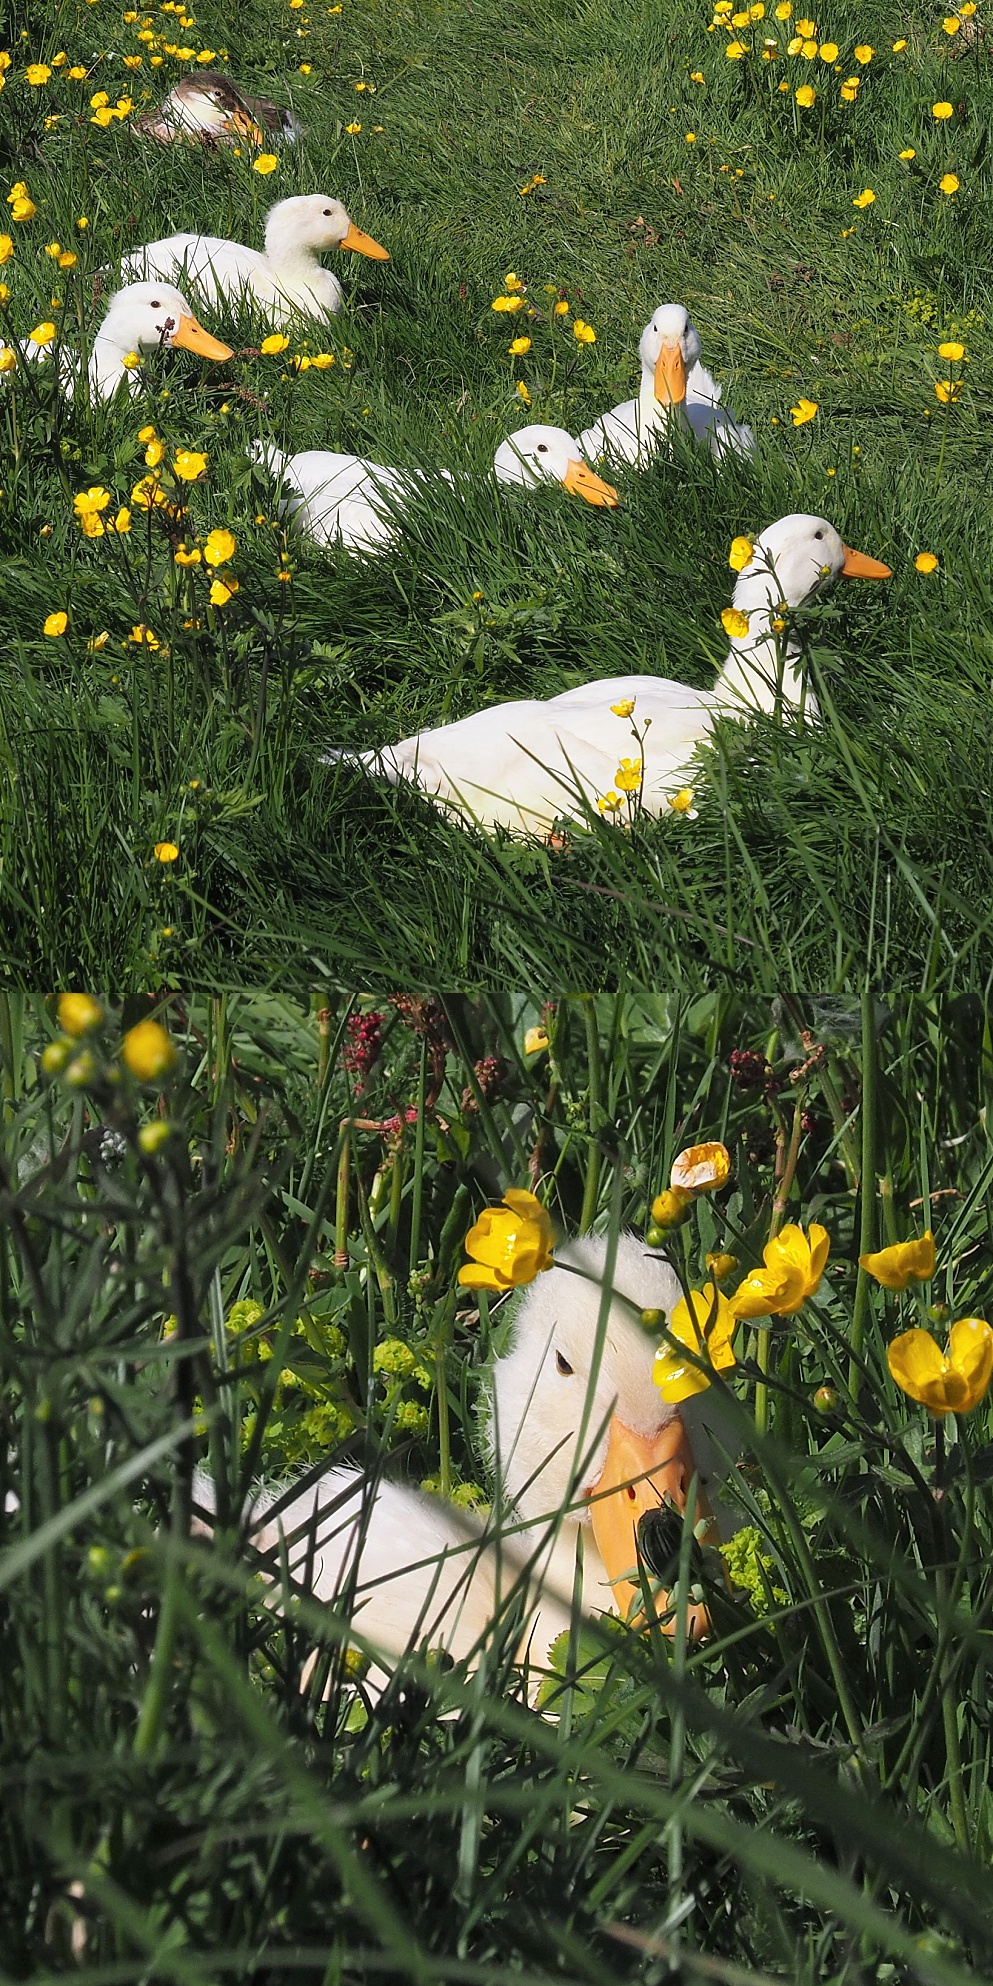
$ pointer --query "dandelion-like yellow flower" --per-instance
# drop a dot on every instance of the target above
(265, 163)
(148, 1052)
(584, 332)
(793, 1266)
(705, 1323)
(926, 562)
(948, 183)
(805, 96)
(43, 334)
(519, 346)
(740, 553)
(734, 623)
(949, 1382)
(625, 708)
(509, 1245)
(828, 51)
(628, 776)
(78, 1013)
(941, 111)
(37, 73)
(189, 464)
(951, 349)
(903, 1263)
(865, 198)
(166, 851)
(56, 624)
(220, 546)
(863, 53)
(561, 309)
(804, 411)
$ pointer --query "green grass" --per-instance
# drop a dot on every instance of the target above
(818, 854)
(805, 1797)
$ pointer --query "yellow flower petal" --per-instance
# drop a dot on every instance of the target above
(902, 1263)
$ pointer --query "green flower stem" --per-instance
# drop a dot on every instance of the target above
(779, 1206)
(160, 1674)
(591, 1186)
(417, 1186)
(444, 1316)
(341, 1198)
(946, 1663)
(867, 1174)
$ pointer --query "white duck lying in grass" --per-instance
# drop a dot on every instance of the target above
(207, 106)
(287, 281)
(143, 317)
(524, 765)
(675, 388)
(559, 1435)
(342, 499)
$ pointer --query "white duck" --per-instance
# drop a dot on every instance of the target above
(580, 1442)
(343, 499)
(143, 317)
(524, 765)
(674, 387)
(287, 280)
(209, 107)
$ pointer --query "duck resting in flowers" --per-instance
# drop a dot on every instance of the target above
(527, 764)
(208, 107)
(579, 1444)
(342, 499)
(286, 280)
(675, 389)
(143, 317)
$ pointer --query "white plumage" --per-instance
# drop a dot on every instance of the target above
(675, 388)
(286, 281)
(143, 317)
(523, 765)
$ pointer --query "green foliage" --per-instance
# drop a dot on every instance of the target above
(817, 852)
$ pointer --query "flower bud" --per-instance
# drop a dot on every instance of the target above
(826, 1399)
(670, 1207)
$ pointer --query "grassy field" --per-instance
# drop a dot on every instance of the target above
(611, 159)
(804, 1797)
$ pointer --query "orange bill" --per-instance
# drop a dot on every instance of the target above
(639, 1474)
(363, 244)
(246, 127)
(670, 377)
(584, 482)
(858, 565)
(194, 338)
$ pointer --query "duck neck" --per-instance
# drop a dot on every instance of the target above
(284, 252)
(655, 416)
(107, 356)
(761, 671)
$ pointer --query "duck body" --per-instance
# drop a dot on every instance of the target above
(207, 107)
(676, 390)
(524, 765)
(286, 281)
(580, 1441)
(343, 499)
(142, 317)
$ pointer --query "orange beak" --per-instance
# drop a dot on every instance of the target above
(194, 338)
(639, 1475)
(363, 244)
(581, 481)
(670, 377)
(858, 565)
(246, 127)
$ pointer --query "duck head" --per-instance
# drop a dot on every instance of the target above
(795, 558)
(209, 103)
(543, 454)
(314, 221)
(669, 348)
(144, 316)
(570, 1426)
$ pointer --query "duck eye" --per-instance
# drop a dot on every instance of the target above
(818, 534)
(155, 304)
(542, 448)
(562, 1365)
(327, 213)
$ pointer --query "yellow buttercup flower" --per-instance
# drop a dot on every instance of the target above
(850, 90)
(806, 29)
(721, 1266)
(903, 1263)
(951, 24)
(94, 499)
(353, 130)
(535, 1040)
(512, 281)
(898, 47)
(804, 411)
(669, 1208)
(610, 803)
(941, 111)
(628, 776)
(828, 51)
(805, 96)
(265, 163)
(908, 153)
(43, 334)
(143, 637)
(523, 392)
(863, 53)
(735, 50)
(166, 851)
(947, 391)
(682, 802)
(219, 546)
(740, 554)
(507, 303)
(625, 708)
(148, 1052)
(276, 342)
(926, 562)
(584, 332)
(56, 624)
(222, 590)
(37, 73)
(78, 1013)
(154, 454)
(701, 1169)
(948, 183)
(734, 623)
(794, 1264)
(951, 349)
(189, 464)
(865, 198)
(705, 1323)
(509, 1245)
(6, 248)
(518, 346)
(949, 1382)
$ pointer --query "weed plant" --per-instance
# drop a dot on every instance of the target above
(258, 1269)
(608, 160)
